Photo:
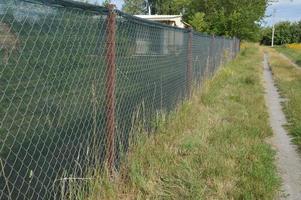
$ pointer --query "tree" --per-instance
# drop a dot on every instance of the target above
(198, 22)
(106, 3)
(295, 31)
(169, 7)
(229, 17)
(285, 33)
(240, 18)
(164, 7)
(266, 36)
(134, 7)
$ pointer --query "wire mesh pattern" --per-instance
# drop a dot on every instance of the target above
(72, 78)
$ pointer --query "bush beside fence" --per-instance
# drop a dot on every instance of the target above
(76, 77)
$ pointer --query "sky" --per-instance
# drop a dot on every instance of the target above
(118, 3)
(286, 10)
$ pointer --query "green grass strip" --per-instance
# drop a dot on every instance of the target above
(293, 54)
(212, 147)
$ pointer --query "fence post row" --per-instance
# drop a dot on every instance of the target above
(111, 78)
(189, 63)
(110, 86)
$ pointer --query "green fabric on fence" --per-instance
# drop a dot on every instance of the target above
(53, 65)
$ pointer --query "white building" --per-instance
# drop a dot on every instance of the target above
(172, 41)
(172, 20)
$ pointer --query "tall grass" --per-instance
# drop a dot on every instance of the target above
(288, 79)
(293, 53)
(211, 147)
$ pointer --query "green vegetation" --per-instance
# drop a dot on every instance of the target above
(135, 7)
(230, 18)
(285, 33)
(212, 147)
(106, 3)
(288, 79)
(292, 53)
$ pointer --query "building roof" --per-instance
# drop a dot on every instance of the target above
(175, 19)
(160, 17)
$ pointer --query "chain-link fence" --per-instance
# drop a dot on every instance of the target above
(74, 80)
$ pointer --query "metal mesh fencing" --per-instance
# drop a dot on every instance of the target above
(72, 79)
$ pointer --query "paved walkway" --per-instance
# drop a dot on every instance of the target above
(288, 160)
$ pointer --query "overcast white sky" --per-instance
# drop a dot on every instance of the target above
(286, 10)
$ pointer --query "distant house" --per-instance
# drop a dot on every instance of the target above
(171, 41)
(172, 20)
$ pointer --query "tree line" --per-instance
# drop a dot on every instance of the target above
(285, 33)
(239, 18)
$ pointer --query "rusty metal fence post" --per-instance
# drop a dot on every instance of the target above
(222, 52)
(189, 63)
(110, 86)
(235, 47)
(232, 48)
(209, 59)
(212, 63)
(234, 40)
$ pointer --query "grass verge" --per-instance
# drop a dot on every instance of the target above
(293, 54)
(211, 147)
(288, 79)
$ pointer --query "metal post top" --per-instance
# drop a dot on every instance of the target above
(111, 7)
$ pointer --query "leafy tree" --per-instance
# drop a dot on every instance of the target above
(285, 33)
(229, 17)
(295, 30)
(134, 7)
(266, 36)
(157, 6)
(198, 21)
(106, 3)
(239, 18)
(161, 7)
